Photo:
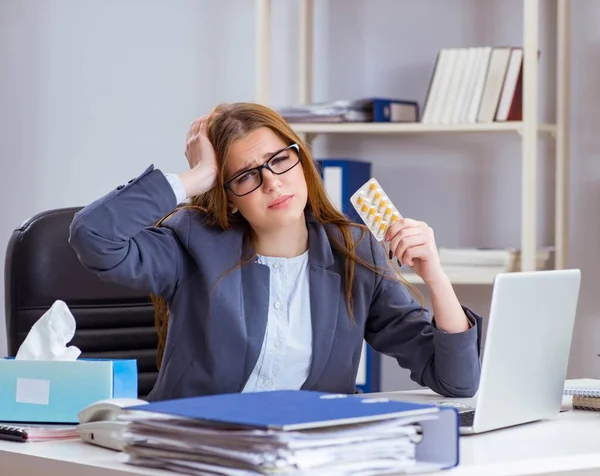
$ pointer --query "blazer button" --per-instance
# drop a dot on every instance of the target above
(120, 187)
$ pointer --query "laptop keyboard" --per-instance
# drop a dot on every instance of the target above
(466, 418)
(466, 412)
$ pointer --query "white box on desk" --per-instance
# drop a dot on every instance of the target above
(36, 391)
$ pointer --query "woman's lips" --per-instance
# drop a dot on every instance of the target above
(281, 202)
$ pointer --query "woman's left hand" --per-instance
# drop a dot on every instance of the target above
(413, 243)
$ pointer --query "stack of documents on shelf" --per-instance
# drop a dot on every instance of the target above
(291, 432)
(359, 110)
(476, 85)
(487, 261)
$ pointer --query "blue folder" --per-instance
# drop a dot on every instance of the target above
(287, 409)
(343, 177)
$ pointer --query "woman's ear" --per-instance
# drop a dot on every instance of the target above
(232, 209)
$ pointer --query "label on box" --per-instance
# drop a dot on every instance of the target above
(32, 390)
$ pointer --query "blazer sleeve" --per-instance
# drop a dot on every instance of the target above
(115, 236)
(398, 326)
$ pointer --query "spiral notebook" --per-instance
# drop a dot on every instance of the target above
(583, 387)
(36, 433)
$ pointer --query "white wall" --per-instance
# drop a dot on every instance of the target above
(92, 91)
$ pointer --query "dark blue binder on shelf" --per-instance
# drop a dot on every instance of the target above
(394, 110)
(343, 177)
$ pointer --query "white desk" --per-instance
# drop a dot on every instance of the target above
(65, 458)
(568, 445)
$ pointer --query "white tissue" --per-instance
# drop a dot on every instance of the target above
(49, 336)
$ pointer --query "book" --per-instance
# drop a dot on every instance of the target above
(476, 85)
(25, 433)
(584, 387)
(494, 83)
(510, 105)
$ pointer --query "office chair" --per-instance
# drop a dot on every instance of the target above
(112, 321)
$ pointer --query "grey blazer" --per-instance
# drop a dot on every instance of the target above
(217, 325)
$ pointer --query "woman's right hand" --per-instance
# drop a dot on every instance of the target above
(202, 159)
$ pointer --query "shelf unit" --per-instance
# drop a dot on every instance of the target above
(412, 128)
(529, 128)
(482, 278)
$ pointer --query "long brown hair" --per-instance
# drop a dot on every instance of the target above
(230, 122)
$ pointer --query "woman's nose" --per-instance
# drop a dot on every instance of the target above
(271, 181)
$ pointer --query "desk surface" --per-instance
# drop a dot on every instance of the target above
(565, 445)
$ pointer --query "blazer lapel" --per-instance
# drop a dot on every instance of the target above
(255, 301)
(324, 300)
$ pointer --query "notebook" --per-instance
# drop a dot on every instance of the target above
(27, 433)
(583, 387)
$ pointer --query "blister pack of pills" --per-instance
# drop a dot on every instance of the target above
(375, 208)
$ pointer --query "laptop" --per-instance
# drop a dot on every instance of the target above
(527, 349)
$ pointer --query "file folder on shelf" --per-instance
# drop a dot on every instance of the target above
(394, 110)
(302, 430)
(342, 177)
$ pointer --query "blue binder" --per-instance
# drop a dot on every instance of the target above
(287, 410)
(394, 110)
(343, 177)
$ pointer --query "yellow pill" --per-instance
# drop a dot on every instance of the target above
(382, 205)
(364, 209)
(360, 200)
(371, 213)
(377, 220)
(395, 217)
(388, 213)
(382, 229)
(372, 189)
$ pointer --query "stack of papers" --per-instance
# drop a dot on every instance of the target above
(193, 448)
(283, 432)
(334, 111)
(32, 432)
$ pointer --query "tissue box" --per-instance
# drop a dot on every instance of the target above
(55, 391)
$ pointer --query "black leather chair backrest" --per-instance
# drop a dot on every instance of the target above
(112, 321)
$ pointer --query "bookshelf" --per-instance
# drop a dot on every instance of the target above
(483, 278)
(529, 129)
(413, 128)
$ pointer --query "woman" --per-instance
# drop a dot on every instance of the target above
(267, 286)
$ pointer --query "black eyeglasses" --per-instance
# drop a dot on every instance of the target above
(279, 163)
